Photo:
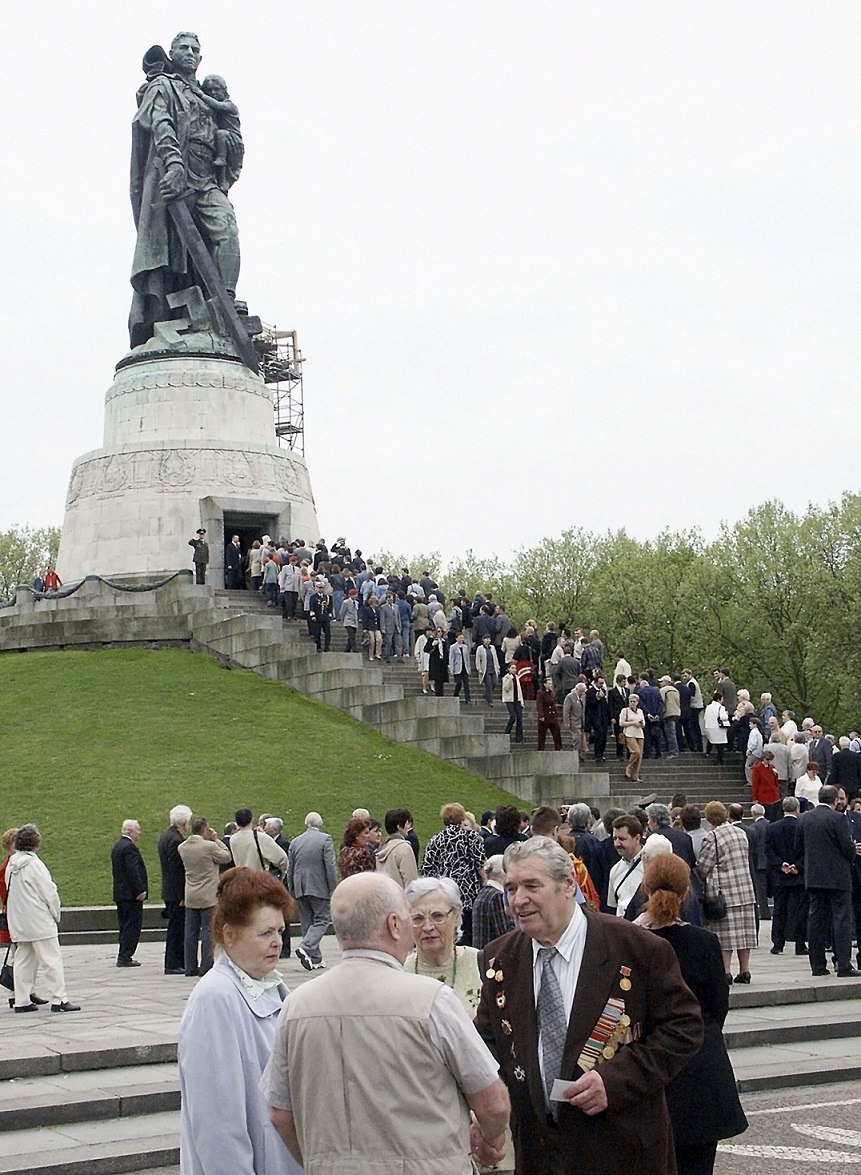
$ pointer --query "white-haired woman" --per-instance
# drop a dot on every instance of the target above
(491, 916)
(436, 909)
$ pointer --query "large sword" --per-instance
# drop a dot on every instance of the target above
(190, 236)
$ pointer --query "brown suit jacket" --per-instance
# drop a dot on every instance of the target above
(634, 1132)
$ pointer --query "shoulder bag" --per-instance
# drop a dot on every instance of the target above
(714, 905)
(4, 917)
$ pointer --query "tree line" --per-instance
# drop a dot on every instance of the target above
(776, 597)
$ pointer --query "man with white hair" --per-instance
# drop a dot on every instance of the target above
(130, 891)
(311, 879)
(660, 823)
(173, 888)
(409, 1108)
(846, 769)
(758, 860)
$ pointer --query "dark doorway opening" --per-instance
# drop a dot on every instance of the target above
(249, 527)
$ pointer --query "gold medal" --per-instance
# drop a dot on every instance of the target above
(498, 977)
(489, 973)
(608, 1052)
(625, 1021)
(625, 984)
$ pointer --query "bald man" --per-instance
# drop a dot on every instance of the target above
(341, 1096)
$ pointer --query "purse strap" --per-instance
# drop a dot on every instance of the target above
(263, 865)
(717, 860)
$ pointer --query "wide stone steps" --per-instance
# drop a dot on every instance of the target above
(791, 1029)
(93, 1148)
(244, 633)
(89, 1096)
(99, 1092)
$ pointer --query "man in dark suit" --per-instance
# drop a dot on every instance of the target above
(233, 564)
(617, 700)
(659, 823)
(846, 770)
(130, 891)
(173, 888)
(789, 920)
(854, 821)
(825, 847)
(819, 751)
(758, 857)
(589, 1018)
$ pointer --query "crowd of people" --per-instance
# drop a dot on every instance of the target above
(495, 913)
(562, 670)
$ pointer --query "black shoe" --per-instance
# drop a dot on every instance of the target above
(848, 973)
(174, 970)
(742, 977)
(26, 1007)
(822, 971)
(128, 963)
(65, 1006)
(729, 978)
(802, 950)
(777, 951)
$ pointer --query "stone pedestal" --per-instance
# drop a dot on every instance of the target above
(189, 442)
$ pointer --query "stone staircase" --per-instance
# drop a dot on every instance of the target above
(239, 629)
(244, 633)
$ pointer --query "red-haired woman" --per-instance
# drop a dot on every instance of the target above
(227, 1034)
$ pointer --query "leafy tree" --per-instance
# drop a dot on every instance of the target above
(23, 552)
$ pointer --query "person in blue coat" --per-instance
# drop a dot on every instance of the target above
(227, 1035)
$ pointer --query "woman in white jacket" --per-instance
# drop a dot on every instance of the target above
(33, 910)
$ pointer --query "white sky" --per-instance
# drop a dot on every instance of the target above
(551, 264)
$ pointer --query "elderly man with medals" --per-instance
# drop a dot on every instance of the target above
(589, 1019)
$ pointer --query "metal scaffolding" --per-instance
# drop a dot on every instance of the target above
(281, 366)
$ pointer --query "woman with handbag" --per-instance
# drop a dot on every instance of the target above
(725, 872)
(717, 724)
(7, 975)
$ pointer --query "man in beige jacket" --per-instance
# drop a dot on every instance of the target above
(341, 1097)
(201, 855)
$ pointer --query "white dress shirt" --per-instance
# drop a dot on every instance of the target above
(566, 964)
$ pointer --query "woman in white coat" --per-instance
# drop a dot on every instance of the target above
(33, 911)
(227, 1035)
(716, 722)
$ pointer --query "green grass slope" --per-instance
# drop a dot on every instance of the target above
(89, 739)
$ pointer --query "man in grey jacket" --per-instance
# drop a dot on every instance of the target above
(311, 879)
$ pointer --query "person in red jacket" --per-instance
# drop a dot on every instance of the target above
(548, 716)
(53, 583)
(765, 787)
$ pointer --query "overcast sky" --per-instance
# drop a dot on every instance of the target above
(551, 264)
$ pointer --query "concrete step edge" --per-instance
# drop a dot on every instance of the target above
(57, 1107)
(769, 1078)
(105, 1158)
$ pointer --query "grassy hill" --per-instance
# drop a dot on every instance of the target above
(89, 739)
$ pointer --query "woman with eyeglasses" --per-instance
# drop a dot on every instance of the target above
(435, 910)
